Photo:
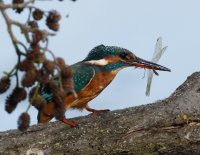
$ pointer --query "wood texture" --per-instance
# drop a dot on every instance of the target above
(170, 126)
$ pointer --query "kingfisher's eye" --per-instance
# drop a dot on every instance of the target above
(124, 55)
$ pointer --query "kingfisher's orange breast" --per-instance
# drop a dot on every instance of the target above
(99, 82)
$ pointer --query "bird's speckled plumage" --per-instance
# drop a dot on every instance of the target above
(82, 74)
(102, 51)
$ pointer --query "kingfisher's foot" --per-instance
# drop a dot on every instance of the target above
(96, 112)
(66, 121)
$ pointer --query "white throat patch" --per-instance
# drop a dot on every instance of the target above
(101, 62)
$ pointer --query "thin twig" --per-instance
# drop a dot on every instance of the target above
(57, 67)
(34, 95)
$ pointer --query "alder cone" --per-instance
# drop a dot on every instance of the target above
(49, 66)
(39, 102)
(33, 24)
(23, 121)
(60, 61)
(4, 84)
(29, 78)
(14, 98)
(18, 10)
(58, 99)
(38, 14)
(53, 17)
(26, 65)
(53, 26)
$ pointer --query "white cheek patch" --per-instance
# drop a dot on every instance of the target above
(101, 62)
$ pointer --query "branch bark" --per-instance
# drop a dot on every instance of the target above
(170, 126)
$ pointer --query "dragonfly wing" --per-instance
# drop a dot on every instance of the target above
(158, 46)
(149, 81)
(158, 55)
(159, 51)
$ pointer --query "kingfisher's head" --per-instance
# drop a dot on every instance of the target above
(112, 57)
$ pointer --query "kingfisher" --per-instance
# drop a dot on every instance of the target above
(92, 75)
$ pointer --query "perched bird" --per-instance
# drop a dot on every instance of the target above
(92, 75)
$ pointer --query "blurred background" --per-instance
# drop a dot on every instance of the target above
(130, 24)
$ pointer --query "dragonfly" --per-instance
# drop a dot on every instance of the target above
(159, 51)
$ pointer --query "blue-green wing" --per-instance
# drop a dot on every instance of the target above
(82, 75)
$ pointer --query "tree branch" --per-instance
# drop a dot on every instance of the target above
(170, 126)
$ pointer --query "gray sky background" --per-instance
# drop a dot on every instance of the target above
(131, 24)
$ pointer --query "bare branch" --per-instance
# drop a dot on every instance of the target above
(147, 129)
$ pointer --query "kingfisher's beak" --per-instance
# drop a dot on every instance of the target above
(138, 62)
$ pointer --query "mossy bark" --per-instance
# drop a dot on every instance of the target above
(170, 126)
